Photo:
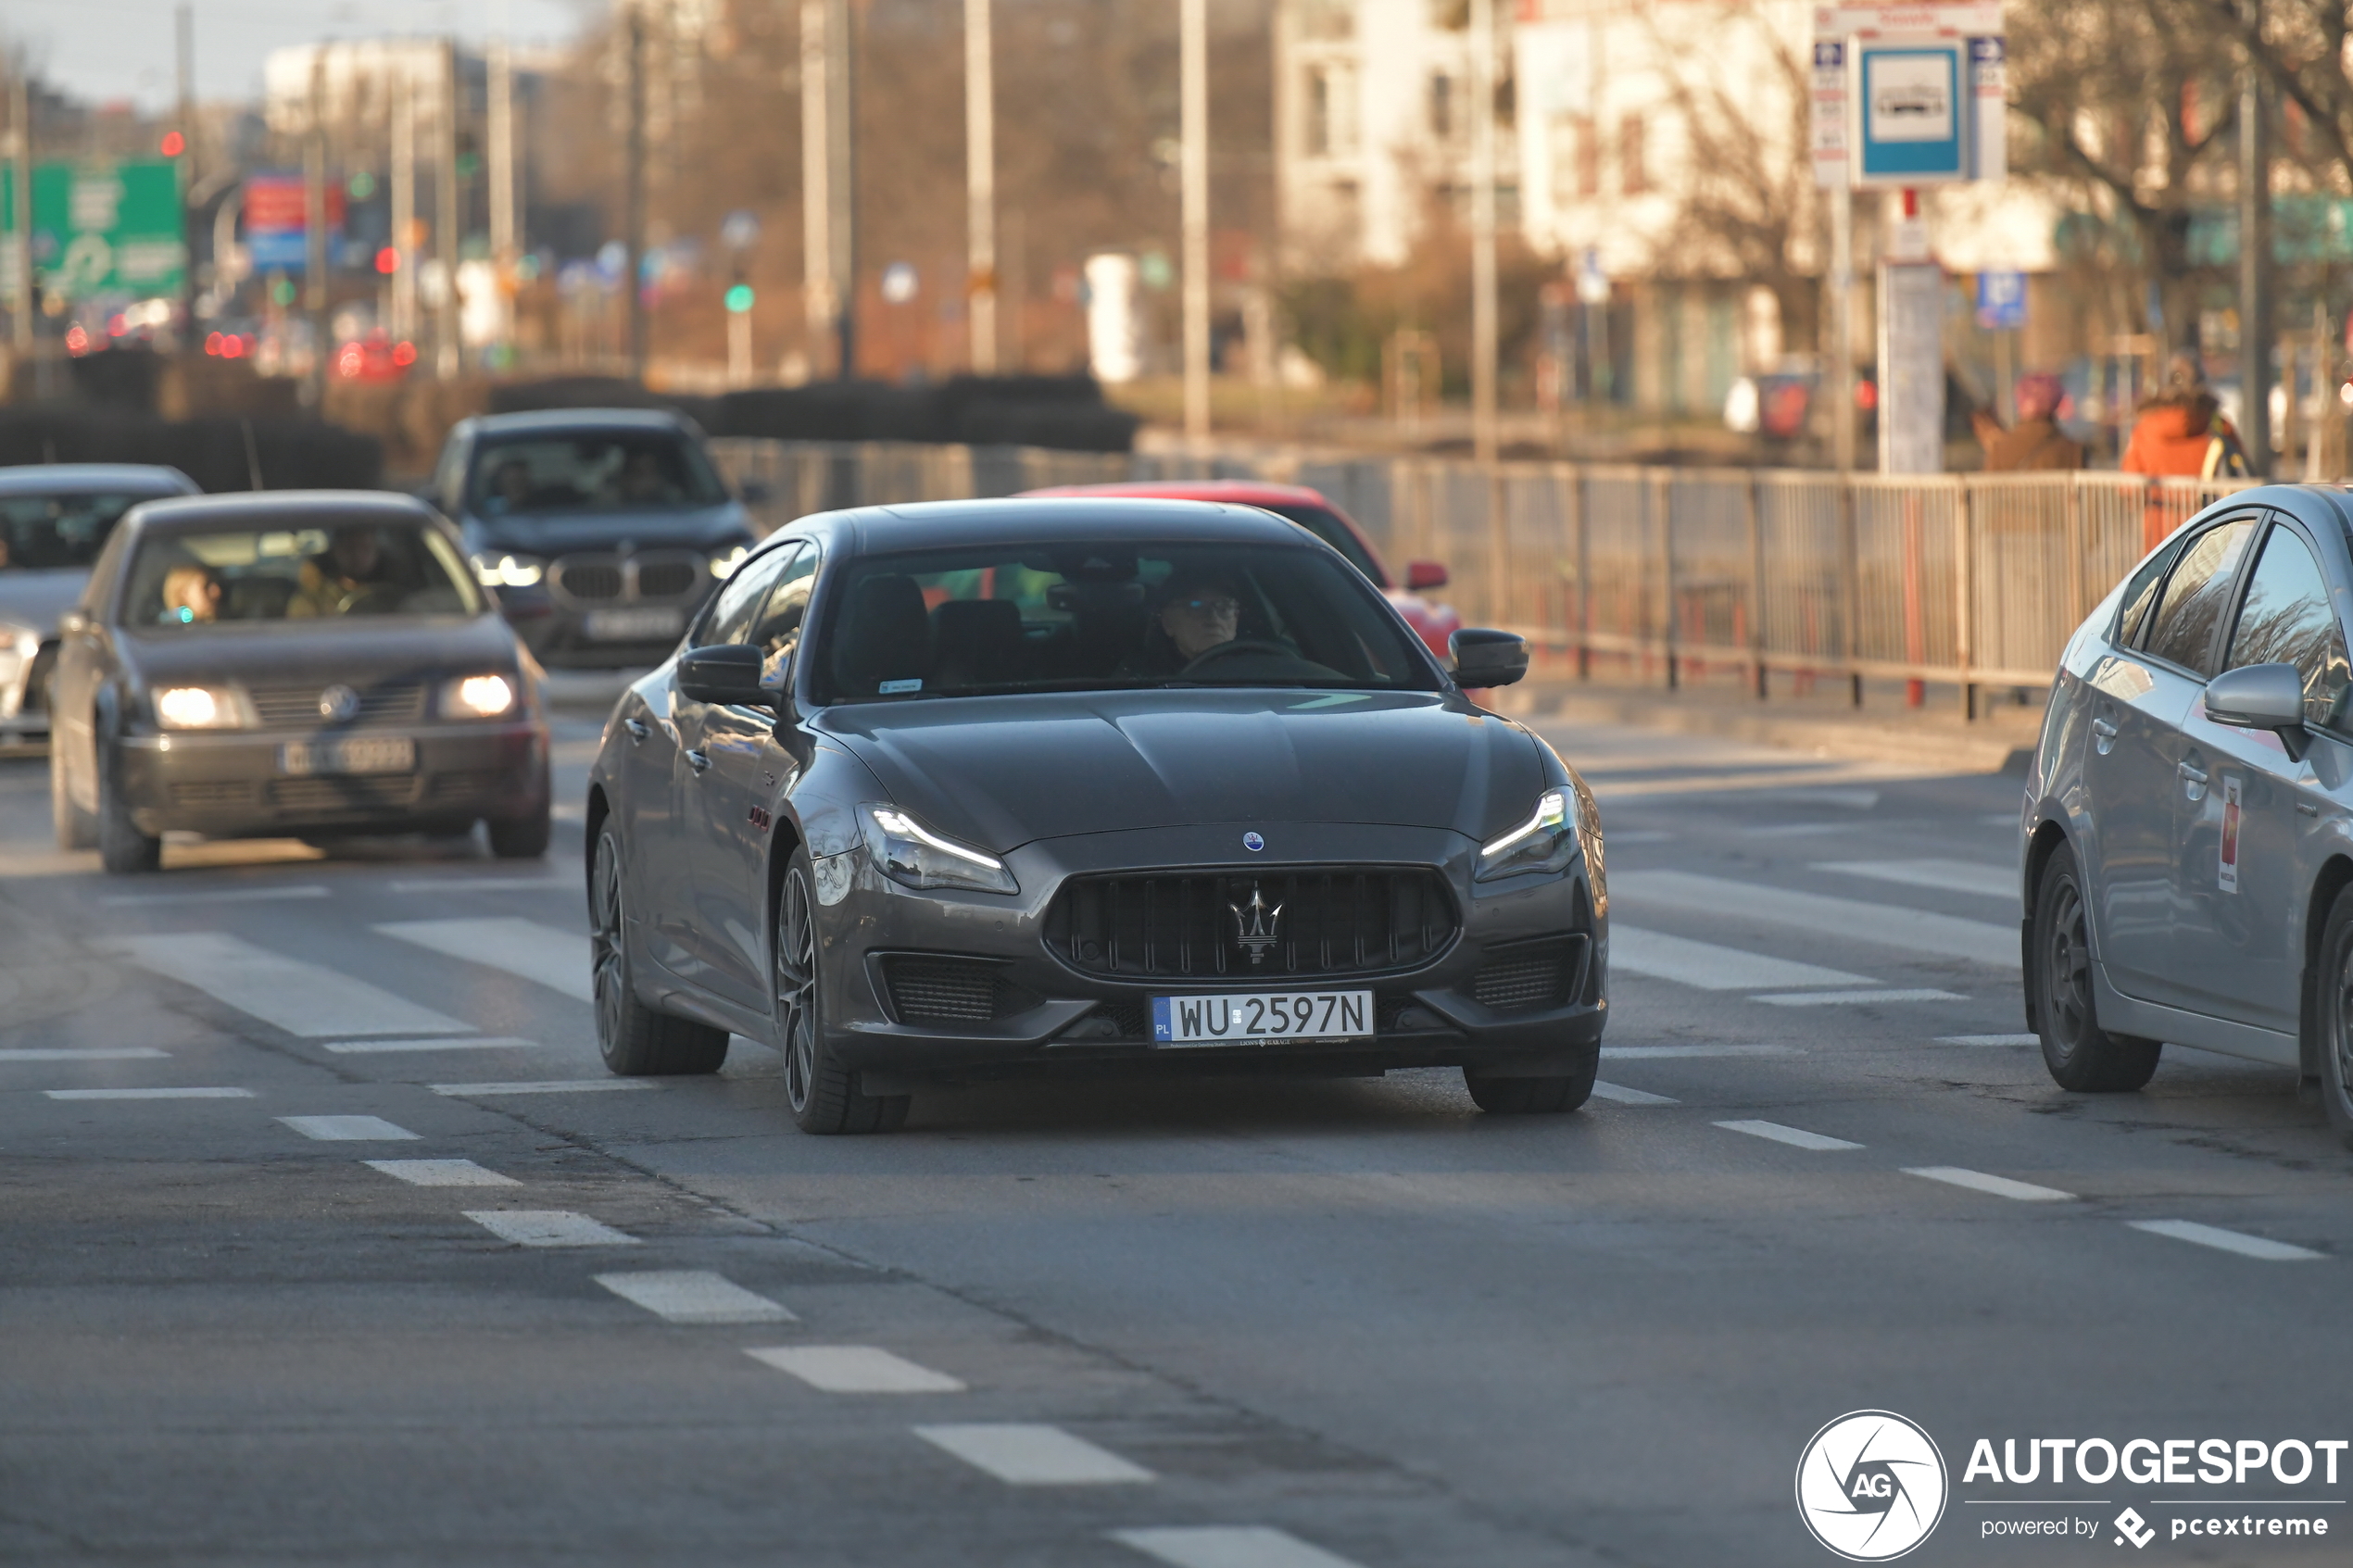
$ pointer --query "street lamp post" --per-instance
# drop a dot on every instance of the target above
(1482, 118)
(980, 185)
(1193, 93)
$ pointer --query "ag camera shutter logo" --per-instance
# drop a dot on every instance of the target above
(1871, 1485)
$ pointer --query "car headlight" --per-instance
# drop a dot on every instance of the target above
(1546, 842)
(723, 565)
(197, 707)
(477, 697)
(508, 572)
(910, 853)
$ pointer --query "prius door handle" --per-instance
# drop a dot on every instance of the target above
(697, 761)
(636, 728)
(2193, 781)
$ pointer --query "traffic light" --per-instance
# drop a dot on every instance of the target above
(739, 298)
(175, 144)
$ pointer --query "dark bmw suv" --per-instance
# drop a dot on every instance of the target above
(601, 531)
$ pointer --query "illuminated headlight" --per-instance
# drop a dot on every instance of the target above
(723, 566)
(1546, 842)
(508, 572)
(196, 708)
(910, 853)
(478, 697)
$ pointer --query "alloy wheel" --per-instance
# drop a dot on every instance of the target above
(2066, 976)
(797, 988)
(605, 939)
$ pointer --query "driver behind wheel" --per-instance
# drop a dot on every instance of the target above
(1199, 609)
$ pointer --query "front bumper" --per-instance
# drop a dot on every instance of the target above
(24, 695)
(228, 786)
(1058, 1018)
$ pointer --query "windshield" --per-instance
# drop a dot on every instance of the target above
(349, 571)
(1325, 524)
(59, 532)
(590, 471)
(1082, 617)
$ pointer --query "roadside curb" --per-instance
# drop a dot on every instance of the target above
(1826, 737)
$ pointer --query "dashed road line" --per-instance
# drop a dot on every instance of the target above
(1680, 1053)
(542, 1086)
(148, 1094)
(1023, 1455)
(557, 959)
(1944, 876)
(307, 1000)
(1989, 1039)
(547, 1227)
(381, 1048)
(1229, 1545)
(221, 895)
(442, 1173)
(1853, 998)
(694, 1296)
(2000, 1186)
(1915, 932)
(2257, 1246)
(1796, 1138)
(1618, 1094)
(349, 1129)
(83, 1053)
(1636, 950)
(488, 884)
(856, 1368)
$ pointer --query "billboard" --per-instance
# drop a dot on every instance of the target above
(103, 228)
(276, 220)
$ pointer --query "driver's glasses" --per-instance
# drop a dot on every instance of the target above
(1215, 607)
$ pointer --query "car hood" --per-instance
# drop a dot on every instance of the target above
(37, 599)
(1002, 772)
(555, 533)
(278, 653)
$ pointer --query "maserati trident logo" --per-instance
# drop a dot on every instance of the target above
(338, 703)
(1256, 927)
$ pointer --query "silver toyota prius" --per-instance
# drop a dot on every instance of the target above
(2187, 837)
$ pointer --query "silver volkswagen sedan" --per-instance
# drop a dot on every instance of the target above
(2187, 837)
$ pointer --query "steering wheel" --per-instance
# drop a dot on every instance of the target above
(1239, 646)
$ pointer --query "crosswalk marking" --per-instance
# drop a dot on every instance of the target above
(1944, 876)
(302, 998)
(542, 1086)
(148, 1094)
(1637, 950)
(2257, 1246)
(557, 959)
(441, 1173)
(2000, 1186)
(856, 1368)
(1024, 1455)
(1851, 999)
(1620, 1094)
(83, 1053)
(1888, 926)
(349, 1129)
(379, 1048)
(547, 1227)
(694, 1296)
(1229, 1545)
(1796, 1138)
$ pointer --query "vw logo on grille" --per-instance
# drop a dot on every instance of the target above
(338, 703)
(1252, 843)
(1256, 927)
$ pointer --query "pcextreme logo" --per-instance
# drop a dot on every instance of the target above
(1871, 1485)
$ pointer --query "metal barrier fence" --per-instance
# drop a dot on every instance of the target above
(1968, 579)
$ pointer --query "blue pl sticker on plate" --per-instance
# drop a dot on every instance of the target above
(1159, 1018)
(895, 688)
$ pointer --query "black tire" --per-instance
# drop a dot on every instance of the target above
(634, 1040)
(1532, 1097)
(77, 829)
(824, 1093)
(522, 838)
(123, 850)
(2081, 1055)
(2335, 999)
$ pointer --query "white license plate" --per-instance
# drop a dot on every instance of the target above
(381, 754)
(634, 625)
(1261, 1017)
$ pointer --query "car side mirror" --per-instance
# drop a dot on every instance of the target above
(2258, 697)
(1486, 658)
(1421, 576)
(724, 672)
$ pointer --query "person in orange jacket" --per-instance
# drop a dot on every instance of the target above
(2182, 431)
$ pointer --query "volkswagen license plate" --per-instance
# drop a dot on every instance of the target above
(634, 625)
(377, 754)
(1261, 1017)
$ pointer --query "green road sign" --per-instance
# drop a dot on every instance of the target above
(102, 228)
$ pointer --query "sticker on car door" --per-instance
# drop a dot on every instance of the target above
(2226, 876)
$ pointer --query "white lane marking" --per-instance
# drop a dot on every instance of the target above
(488, 885)
(694, 1296)
(547, 1227)
(1851, 999)
(349, 1129)
(148, 1094)
(1680, 1053)
(1945, 876)
(83, 1053)
(1989, 1039)
(1796, 830)
(1887, 926)
(1796, 1138)
(557, 959)
(2000, 819)
(1621, 1095)
(442, 1173)
(544, 1087)
(1704, 964)
(2000, 1186)
(1024, 1455)
(1637, 836)
(301, 999)
(1227, 1546)
(378, 1048)
(223, 896)
(856, 1368)
(2245, 1245)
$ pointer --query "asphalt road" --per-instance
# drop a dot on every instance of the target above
(356, 1256)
